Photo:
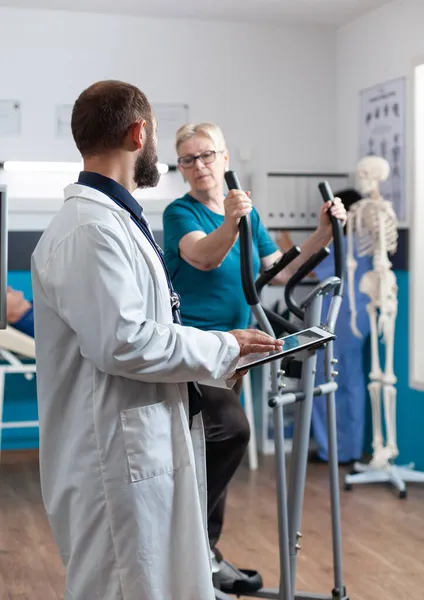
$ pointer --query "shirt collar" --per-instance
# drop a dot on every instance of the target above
(113, 189)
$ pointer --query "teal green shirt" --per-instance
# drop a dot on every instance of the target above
(210, 299)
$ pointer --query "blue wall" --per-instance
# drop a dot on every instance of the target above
(20, 394)
(21, 280)
(410, 403)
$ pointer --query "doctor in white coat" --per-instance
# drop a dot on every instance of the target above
(122, 472)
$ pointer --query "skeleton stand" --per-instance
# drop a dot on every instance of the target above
(375, 225)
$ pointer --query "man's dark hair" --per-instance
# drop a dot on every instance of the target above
(103, 113)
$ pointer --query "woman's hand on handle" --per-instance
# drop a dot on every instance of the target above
(253, 340)
(337, 209)
(207, 251)
(237, 204)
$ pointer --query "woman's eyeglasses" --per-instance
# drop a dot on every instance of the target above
(206, 158)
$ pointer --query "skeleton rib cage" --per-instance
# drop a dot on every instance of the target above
(373, 220)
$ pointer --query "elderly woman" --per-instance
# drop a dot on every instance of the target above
(203, 257)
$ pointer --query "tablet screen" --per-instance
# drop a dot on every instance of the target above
(292, 343)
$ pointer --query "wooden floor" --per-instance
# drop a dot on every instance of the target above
(383, 537)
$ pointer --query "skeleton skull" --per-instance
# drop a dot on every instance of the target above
(370, 171)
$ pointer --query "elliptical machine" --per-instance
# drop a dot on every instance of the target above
(301, 393)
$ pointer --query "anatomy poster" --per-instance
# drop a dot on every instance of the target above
(382, 133)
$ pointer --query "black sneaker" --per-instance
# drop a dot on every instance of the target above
(236, 581)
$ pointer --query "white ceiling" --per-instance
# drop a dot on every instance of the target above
(335, 12)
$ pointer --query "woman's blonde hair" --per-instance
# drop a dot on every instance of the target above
(210, 130)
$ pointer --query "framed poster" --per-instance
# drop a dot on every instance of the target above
(382, 133)
(169, 117)
(10, 118)
(63, 120)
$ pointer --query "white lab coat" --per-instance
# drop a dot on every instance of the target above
(122, 475)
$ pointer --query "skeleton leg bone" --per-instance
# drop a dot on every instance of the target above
(389, 382)
(375, 385)
(391, 449)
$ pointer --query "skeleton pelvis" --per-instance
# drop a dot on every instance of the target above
(372, 281)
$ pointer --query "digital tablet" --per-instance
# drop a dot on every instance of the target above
(312, 337)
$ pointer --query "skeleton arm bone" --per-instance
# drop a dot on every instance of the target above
(351, 268)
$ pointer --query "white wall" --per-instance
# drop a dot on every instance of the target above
(381, 46)
(272, 89)
(378, 47)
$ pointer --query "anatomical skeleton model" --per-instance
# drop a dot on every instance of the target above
(373, 223)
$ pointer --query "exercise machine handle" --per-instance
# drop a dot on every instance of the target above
(277, 320)
(246, 259)
(295, 279)
(275, 268)
(338, 239)
(232, 180)
(246, 262)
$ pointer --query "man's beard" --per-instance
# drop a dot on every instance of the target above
(146, 174)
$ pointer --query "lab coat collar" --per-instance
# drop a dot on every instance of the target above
(83, 191)
(113, 189)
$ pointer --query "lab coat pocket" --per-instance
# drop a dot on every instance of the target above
(154, 438)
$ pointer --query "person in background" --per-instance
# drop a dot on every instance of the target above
(20, 312)
(348, 350)
(202, 254)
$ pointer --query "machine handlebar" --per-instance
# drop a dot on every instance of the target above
(246, 260)
(338, 243)
(278, 266)
(302, 272)
(313, 262)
